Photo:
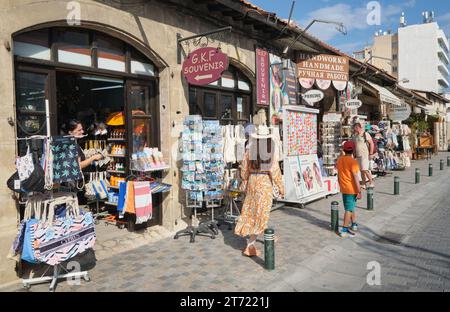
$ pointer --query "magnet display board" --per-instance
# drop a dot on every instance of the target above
(302, 176)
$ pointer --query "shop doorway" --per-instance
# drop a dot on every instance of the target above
(75, 73)
(88, 98)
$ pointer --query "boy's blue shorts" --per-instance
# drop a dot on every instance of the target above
(349, 202)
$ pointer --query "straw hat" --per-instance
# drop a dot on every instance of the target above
(262, 132)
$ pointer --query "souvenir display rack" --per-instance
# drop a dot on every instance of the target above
(203, 172)
(332, 139)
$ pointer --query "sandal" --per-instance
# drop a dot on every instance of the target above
(251, 251)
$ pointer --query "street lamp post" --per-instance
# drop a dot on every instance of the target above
(339, 27)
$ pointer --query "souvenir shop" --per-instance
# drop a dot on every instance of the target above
(381, 113)
(109, 88)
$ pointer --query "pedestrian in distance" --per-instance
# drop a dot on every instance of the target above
(348, 177)
(364, 152)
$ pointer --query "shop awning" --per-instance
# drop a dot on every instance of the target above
(386, 96)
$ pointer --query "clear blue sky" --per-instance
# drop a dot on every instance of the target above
(353, 13)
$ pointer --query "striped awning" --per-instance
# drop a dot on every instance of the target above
(386, 96)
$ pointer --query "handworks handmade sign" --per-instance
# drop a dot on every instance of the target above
(322, 66)
(204, 65)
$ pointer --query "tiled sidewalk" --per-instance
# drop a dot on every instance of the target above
(217, 265)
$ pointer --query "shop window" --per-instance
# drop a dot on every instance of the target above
(74, 47)
(228, 80)
(33, 44)
(143, 107)
(243, 85)
(30, 107)
(209, 105)
(110, 53)
(140, 65)
(227, 100)
(84, 48)
(226, 106)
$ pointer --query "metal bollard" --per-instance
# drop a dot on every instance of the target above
(370, 198)
(335, 216)
(430, 170)
(448, 161)
(396, 185)
(269, 249)
(417, 175)
(441, 164)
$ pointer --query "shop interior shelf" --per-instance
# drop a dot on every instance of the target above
(116, 171)
(153, 169)
(110, 203)
(121, 156)
(116, 139)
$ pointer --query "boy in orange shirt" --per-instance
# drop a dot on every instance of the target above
(348, 176)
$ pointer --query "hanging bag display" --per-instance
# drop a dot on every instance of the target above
(25, 165)
(59, 240)
(66, 167)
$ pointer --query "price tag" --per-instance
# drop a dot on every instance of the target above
(17, 184)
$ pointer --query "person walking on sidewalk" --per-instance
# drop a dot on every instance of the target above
(259, 172)
(364, 150)
(348, 177)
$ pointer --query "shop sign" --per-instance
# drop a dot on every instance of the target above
(291, 84)
(322, 66)
(204, 66)
(332, 117)
(399, 113)
(353, 104)
(262, 77)
(313, 96)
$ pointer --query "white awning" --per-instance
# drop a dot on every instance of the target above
(386, 96)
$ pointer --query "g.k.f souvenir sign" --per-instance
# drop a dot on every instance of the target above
(204, 65)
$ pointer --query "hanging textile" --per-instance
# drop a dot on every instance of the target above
(142, 201)
(239, 137)
(66, 167)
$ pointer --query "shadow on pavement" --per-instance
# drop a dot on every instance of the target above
(308, 217)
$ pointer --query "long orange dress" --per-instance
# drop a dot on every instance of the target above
(259, 198)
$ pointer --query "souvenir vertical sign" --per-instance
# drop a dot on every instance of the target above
(262, 77)
(291, 82)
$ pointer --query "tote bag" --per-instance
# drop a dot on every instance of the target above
(66, 167)
(63, 239)
(27, 249)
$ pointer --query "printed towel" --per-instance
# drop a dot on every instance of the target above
(142, 201)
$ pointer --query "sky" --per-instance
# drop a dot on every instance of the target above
(354, 14)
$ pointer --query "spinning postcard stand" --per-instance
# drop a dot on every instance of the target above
(303, 180)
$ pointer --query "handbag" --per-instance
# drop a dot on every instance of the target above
(34, 183)
(59, 240)
(25, 165)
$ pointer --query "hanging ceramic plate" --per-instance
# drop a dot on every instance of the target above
(340, 85)
(323, 84)
(306, 83)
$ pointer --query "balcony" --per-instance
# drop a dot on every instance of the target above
(443, 42)
(444, 70)
(443, 82)
(443, 56)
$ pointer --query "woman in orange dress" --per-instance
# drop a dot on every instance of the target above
(259, 171)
